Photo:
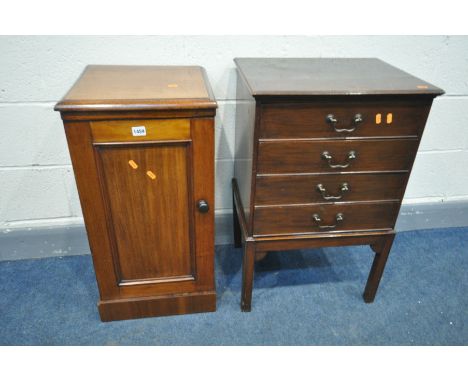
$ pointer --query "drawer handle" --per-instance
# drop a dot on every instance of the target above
(323, 191)
(328, 157)
(331, 120)
(338, 218)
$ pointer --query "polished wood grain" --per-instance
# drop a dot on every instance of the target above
(144, 211)
(155, 130)
(118, 87)
(126, 309)
(203, 154)
(153, 250)
(96, 115)
(382, 250)
(85, 169)
(308, 120)
(302, 189)
(289, 157)
(329, 76)
(298, 219)
(281, 135)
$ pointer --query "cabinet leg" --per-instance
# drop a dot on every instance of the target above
(378, 266)
(247, 276)
(236, 225)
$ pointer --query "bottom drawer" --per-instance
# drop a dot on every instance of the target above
(324, 218)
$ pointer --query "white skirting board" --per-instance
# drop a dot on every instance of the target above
(33, 243)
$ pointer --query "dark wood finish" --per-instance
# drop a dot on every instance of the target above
(281, 134)
(289, 157)
(298, 219)
(153, 250)
(244, 145)
(329, 76)
(378, 266)
(302, 189)
(308, 120)
(247, 276)
(236, 226)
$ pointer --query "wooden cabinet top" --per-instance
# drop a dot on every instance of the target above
(329, 76)
(109, 87)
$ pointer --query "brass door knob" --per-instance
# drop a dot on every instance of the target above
(203, 206)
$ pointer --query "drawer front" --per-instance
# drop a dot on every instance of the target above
(141, 130)
(324, 218)
(277, 157)
(325, 188)
(328, 120)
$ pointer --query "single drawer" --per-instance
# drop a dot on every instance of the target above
(285, 157)
(350, 119)
(325, 188)
(141, 130)
(324, 218)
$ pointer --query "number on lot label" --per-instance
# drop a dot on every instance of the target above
(138, 131)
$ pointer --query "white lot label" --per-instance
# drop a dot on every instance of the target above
(138, 131)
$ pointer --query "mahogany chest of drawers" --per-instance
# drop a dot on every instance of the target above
(324, 150)
(141, 144)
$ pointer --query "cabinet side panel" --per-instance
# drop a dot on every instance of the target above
(87, 180)
(244, 145)
(427, 104)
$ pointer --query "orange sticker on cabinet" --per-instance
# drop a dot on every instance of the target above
(151, 174)
(378, 118)
(389, 118)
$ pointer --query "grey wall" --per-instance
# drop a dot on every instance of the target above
(37, 187)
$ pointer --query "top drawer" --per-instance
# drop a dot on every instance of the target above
(345, 119)
(141, 130)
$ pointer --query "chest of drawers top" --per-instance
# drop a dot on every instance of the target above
(328, 76)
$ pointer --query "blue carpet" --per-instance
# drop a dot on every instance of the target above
(310, 297)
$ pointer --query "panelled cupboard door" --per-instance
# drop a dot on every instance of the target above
(149, 202)
(148, 194)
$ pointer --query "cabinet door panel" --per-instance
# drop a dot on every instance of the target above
(148, 200)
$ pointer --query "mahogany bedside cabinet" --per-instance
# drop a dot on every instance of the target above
(324, 149)
(141, 141)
